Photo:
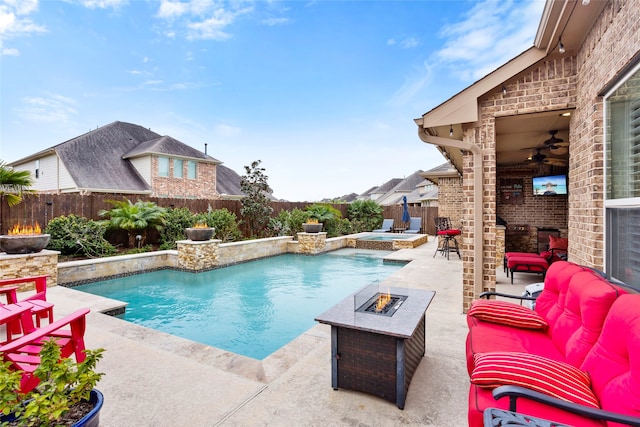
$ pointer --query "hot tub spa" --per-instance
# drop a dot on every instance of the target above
(388, 241)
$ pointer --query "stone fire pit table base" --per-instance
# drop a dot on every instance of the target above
(377, 354)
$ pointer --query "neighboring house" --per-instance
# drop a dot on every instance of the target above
(127, 158)
(579, 83)
(405, 187)
(391, 192)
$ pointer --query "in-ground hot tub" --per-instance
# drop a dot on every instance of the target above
(388, 241)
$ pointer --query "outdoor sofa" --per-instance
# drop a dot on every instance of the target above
(574, 359)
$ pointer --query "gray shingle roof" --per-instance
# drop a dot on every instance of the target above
(95, 161)
(169, 146)
(227, 181)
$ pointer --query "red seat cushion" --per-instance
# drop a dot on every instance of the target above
(510, 254)
(507, 313)
(449, 232)
(527, 263)
(485, 337)
(481, 399)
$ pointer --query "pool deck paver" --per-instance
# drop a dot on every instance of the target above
(155, 379)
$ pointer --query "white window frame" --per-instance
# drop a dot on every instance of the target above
(630, 202)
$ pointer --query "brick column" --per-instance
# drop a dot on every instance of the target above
(500, 238)
(312, 243)
(197, 256)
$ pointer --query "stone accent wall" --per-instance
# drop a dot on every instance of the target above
(312, 243)
(200, 255)
(41, 263)
(253, 249)
(203, 187)
(73, 273)
(500, 239)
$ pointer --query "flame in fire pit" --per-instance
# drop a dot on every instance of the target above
(383, 300)
(24, 229)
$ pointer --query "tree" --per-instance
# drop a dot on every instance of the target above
(255, 205)
(13, 184)
(365, 215)
(135, 218)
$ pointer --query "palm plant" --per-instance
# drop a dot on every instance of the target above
(13, 185)
(135, 218)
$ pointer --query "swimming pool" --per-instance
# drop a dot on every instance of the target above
(252, 308)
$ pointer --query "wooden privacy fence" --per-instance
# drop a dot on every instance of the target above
(41, 208)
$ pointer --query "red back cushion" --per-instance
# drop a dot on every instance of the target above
(507, 313)
(614, 361)
(560, 244)
(588, 300)
(551, 301)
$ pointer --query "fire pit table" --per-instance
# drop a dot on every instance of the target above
(378, 340)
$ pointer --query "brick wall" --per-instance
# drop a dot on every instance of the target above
(204, 186)
(611, 44)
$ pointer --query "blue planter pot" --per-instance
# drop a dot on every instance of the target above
(92, 419)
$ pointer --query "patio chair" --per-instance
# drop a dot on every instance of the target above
(447, 235)
(415, 225)
(42, 309)
(24, 352)
(387, 225)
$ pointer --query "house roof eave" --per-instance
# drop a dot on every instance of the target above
(463, 107)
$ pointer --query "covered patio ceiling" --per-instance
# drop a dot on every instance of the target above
(520, 140)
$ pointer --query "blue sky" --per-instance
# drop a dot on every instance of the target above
(323, 92)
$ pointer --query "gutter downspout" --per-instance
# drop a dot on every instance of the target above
(477, 194)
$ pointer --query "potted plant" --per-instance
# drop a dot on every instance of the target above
(312, 226)
(65, 395)
(200, 232)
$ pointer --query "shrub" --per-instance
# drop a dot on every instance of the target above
(288, 223)
(365, 215)
(64, 383)
(225, 223)
(176, 220)
(77, 236)
(135, 218)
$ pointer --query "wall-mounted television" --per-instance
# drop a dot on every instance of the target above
(550, 185)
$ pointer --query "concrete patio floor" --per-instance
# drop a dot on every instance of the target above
(155, 379)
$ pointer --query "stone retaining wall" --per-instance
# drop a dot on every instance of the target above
(40, 263)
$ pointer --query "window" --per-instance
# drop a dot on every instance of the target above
(163, 166)
(622, 179)
(191, 169)
(177, 168)
(37, 169)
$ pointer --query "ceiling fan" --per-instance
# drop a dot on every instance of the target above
(555, 143)
(541, 159)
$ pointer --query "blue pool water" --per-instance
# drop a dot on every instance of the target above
(252, 308)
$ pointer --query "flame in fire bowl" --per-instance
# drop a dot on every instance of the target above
(24, 240)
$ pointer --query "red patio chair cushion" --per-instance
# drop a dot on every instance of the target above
(547, 376)
(507, 313)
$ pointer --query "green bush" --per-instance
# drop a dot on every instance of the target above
(77, 236)
(225, 223)
(176, 220)
(365, 215)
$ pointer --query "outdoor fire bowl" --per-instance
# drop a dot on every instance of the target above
(23, 243)
(200, 234)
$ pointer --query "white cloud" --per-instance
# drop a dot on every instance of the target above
(272, 22)
(172, 9)
(492, 33)
(48, 108)
(13, 19)
(10, 52)
(409, 43)
(200, 19)
(103, 4)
